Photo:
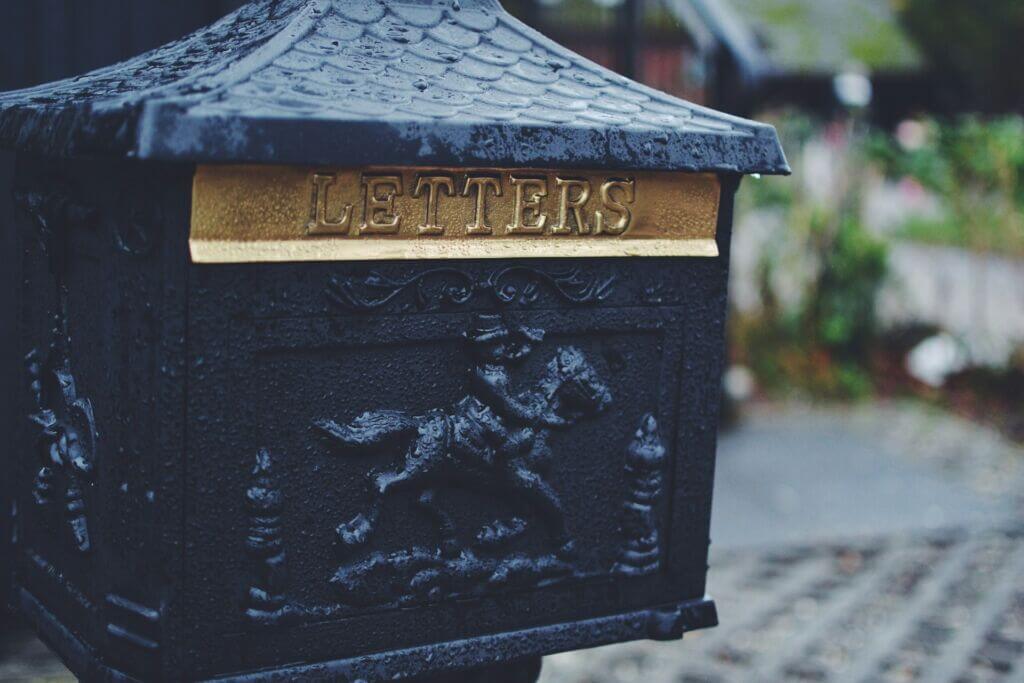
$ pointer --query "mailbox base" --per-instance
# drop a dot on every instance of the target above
(524, 670)
(666, 622)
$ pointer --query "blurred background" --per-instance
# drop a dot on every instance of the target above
(869, 503)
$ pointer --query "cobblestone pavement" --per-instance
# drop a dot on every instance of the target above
(24, 658)
(933, 593)
(911, 602)
(944, 607)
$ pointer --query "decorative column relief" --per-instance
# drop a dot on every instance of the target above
(645, 459)
(267, 602)
(67, 436)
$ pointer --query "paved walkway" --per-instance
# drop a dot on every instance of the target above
(883, 542)
(877, 543)
(24, 658)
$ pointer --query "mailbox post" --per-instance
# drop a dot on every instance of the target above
(365, 339)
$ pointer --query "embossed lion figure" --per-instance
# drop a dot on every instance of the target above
(492, 439)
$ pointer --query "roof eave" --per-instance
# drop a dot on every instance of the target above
(81, 130)
(168, 133)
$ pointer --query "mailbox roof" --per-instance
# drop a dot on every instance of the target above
(365, 82)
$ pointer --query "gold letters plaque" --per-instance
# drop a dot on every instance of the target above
(280, 213)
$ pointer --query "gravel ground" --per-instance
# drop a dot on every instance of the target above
(880, 542)
(946, 606)
(909, 563)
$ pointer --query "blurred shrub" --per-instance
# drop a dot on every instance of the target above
(974, 166)
(820, 269)
(823, 343)
(839, 306)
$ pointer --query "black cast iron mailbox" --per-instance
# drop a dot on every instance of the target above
(365, 340)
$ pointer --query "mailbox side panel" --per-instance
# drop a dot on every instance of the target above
(352, 503)
(96, 462)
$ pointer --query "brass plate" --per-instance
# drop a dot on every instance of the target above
(278, 213)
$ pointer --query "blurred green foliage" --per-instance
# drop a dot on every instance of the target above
(823, 344)
(975, 167)
(839, 307)
(828, 342)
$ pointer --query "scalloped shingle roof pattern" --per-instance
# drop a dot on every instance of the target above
(476, 83)
(363, 59)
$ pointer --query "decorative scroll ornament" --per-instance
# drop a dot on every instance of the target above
(491, 440)
(267, 601)
(645, 460)
(440, 287)
(67, 435)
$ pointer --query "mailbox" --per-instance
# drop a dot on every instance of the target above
(365, 339)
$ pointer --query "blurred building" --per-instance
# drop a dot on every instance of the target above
(694, 49)
(807, 44)
(741, 55)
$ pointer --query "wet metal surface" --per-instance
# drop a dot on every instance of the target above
(907, 602)
(356, 82)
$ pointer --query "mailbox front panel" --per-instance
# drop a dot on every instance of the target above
(401, 455)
